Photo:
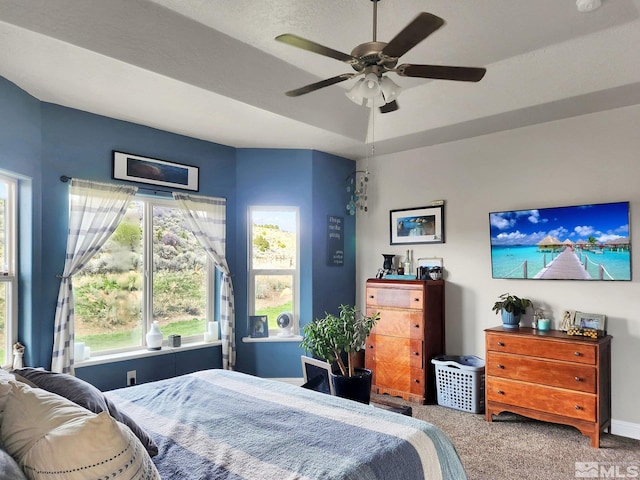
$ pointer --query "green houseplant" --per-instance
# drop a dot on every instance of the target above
(335, 338)
(511, 307)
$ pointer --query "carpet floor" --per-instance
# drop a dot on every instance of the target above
(515, 447)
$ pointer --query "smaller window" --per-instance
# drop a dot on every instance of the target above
(274, 272)
(8, 275)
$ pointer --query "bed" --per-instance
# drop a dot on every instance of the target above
(213, 424)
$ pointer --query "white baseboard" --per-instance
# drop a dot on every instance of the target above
(625, 429)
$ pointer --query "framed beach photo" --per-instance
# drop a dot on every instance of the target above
(591, 320)
(583, 242)
(417, 225)
(135, 168)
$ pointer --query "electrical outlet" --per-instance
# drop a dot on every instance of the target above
(131, 378)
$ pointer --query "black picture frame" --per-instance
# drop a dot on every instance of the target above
(409, 226)
(134, 168)
(258, 326)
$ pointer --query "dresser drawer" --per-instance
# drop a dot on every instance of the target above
(411, 380)
(395, 297)
(396, 351)
(399, 323)
(542, 398)
(571, 351)
(574, 376)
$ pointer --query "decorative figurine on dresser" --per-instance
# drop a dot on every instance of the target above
(552, 376)
(408, 335)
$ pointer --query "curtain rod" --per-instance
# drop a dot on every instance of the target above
(148, 191)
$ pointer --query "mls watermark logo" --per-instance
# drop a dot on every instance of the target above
(587, 470)
(607, 470)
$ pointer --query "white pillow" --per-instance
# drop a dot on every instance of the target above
(54, 439)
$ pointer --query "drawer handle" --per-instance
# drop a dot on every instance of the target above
(416, 381)
(578, 379)
(577, 354)
(417, 325)
(416, 353)
(578, 407)
(500, 392)
(416, 299)
(372, 296)
(500, 344)
(370, 346)
(501, 367)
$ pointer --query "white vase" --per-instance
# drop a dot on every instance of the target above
(154, 337)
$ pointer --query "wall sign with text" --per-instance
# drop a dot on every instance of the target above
(335, 241)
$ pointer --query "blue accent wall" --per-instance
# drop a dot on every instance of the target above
(43, 141)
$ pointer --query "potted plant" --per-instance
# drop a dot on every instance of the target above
(511, 307)
(336, 338)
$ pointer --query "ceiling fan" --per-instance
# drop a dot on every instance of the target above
(374, 59)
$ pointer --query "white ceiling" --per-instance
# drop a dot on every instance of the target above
(211, 69)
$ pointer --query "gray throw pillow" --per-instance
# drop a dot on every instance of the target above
(87, 396)
(9, 469)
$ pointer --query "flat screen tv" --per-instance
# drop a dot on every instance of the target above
(584, 242)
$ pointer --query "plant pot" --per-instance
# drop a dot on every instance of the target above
(357, 388)
(509, 320)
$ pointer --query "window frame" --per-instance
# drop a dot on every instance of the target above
(9, 276)
(252, 272)
(148, 202)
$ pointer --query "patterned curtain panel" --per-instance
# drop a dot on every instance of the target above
(208, 220)
(95, 209)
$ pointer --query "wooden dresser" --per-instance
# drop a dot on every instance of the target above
(409, 334)
(549, 376)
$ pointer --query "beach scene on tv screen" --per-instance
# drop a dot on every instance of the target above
(586, 242)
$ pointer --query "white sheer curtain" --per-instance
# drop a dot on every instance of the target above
(207, 218)
(95, 209)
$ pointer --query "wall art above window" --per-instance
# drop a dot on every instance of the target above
(135, 168)
(584, 242)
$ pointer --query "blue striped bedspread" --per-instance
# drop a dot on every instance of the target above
(217, 424)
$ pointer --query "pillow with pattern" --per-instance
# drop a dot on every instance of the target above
(52, 437)
(86, 395)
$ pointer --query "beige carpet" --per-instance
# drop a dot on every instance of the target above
(514, 447)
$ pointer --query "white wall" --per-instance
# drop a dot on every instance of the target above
(589, 159)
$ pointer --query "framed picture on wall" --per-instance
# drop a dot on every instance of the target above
(417, 225)
(135, 168)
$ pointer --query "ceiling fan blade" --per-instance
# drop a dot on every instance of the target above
(318, 85)
(420, 28)
(441, 72)
(303, 43)
(389, 107)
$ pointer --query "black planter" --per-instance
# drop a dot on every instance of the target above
(356, 388)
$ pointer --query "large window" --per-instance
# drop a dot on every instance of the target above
(151, 269)
(274, 264)
(8, 277)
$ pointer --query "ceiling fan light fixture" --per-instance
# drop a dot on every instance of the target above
(355, 95)
(390, 89)
(588, 5)
(370, 86)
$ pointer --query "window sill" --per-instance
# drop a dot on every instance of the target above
(133, 354)
(274, 339)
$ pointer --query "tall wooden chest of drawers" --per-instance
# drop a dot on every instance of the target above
(409, 334)
(549, 376)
